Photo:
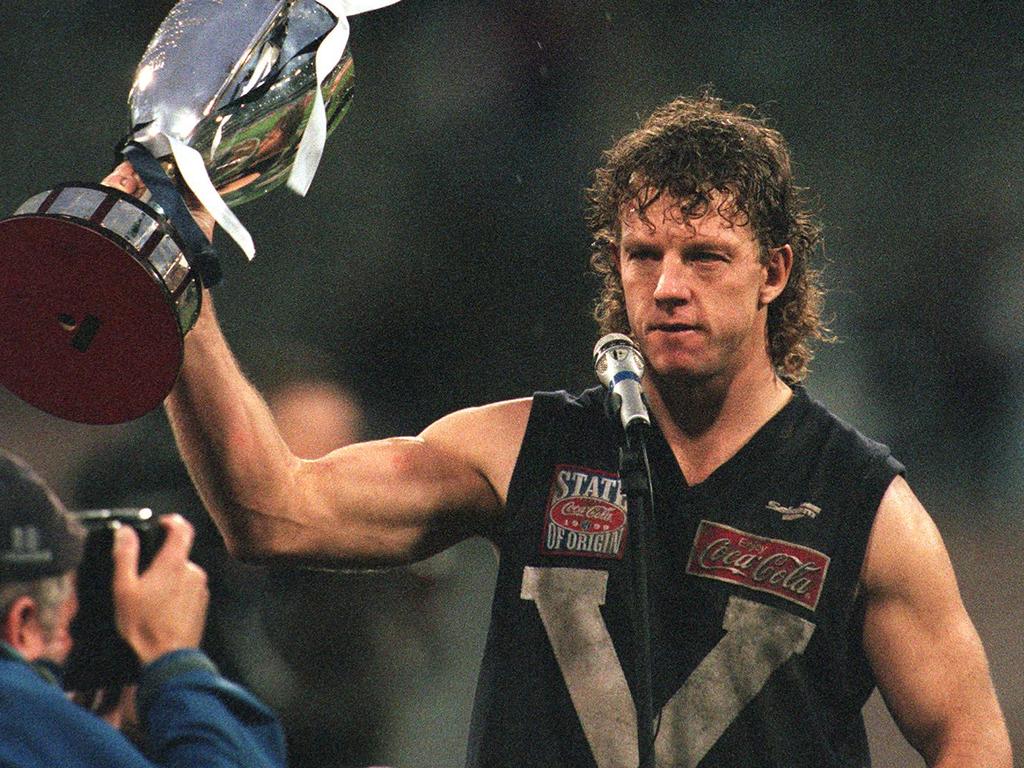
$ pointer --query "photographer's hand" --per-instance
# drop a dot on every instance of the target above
(164, 608)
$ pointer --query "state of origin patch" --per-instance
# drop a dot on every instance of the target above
(586, 514)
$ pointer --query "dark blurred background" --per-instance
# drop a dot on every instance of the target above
(439, 260)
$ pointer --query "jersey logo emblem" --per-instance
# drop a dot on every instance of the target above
(794, 513)
(781, 568)
(586, 514)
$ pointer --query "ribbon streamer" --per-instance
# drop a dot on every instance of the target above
(329, 53)
(193, 170)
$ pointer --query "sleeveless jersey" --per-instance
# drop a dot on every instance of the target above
(753, 586)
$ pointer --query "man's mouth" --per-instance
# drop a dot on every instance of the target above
(672, 327)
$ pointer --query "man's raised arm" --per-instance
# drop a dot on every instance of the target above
(381, 502)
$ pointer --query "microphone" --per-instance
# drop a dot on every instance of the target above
(619, 366)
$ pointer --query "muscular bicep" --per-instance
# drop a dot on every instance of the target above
(401, 499)
(924, 650)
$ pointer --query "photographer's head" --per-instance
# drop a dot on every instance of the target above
(40, 548)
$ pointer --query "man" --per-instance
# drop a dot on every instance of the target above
(188, 714)
(792, 568)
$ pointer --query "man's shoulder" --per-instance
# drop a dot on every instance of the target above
(840, 432)
(498, 415)
(19, 679)
(39, 716)
(511, 416)
(846, 459)
(485, 438)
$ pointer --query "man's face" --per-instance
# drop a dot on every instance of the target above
(695, 291)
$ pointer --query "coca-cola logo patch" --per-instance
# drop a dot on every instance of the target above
(791, 571)
(586, 514)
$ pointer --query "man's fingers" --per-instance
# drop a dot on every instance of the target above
(178, 542)
(124, 178)
(164, 608)
(126, 556)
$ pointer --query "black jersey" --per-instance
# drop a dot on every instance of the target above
(753, 574)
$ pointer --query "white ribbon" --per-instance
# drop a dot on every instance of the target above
(193, 170)
(328, 54)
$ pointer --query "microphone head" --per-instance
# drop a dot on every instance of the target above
(615, 353)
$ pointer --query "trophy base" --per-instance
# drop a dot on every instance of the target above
(92, 330)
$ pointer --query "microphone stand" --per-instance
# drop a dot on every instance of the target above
(635, 473)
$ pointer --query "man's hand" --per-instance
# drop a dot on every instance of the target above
(164, 608)
(125, 179)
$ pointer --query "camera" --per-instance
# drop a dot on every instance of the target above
(100, 657)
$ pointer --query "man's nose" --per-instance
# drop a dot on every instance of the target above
(674, 282)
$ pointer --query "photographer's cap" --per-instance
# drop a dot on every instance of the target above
(38, 538)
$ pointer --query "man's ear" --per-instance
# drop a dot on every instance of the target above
(22, 629)
(777, 270)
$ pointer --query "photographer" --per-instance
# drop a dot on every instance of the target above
(189, 715)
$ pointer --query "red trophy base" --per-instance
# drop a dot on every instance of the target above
(94, 308)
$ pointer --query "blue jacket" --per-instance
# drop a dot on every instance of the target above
(192, 716)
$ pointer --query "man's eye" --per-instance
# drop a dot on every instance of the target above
(707, 256)
(643, 255)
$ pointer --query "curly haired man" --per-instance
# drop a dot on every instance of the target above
(791, 567)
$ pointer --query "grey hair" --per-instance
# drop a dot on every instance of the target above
(49, 593)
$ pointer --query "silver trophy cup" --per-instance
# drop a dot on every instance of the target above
(98, 288)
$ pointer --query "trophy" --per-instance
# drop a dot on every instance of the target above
(99, 288)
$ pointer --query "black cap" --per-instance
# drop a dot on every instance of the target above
(38, 537)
